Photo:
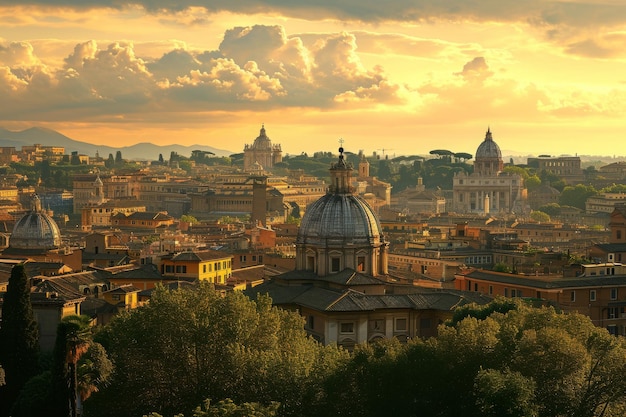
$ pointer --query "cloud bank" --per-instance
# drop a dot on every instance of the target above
(254, 68)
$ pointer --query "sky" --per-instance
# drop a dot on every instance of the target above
(400, 77)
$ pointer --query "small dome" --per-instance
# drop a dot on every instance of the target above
(35, 230)
(488, 148)
(262, 142)
(339, 219)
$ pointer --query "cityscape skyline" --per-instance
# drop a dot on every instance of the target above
(546, 78)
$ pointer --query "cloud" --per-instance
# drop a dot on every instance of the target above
(477, 94)
(582, 13)
(476, 70)
(410, 46)
(254, 66)
(18, 54)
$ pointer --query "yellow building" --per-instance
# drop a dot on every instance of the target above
(124, 297)
(209, 265)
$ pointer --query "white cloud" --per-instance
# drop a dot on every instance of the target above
(257, 64)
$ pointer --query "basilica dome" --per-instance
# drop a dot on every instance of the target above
(488, 148)
(262, 142)
(341, 231)
(339, 219)
(36, 230)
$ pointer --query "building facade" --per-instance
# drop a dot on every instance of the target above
(261, 152)
(488, 189)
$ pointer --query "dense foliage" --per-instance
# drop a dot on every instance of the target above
(188, 346)
(503, 360)
(208, 354)
(19, 338)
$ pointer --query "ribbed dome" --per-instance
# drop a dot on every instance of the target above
(262, 142)
(488, 148)
(337, 220)
(35, 230)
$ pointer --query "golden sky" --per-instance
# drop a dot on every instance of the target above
(407, 76)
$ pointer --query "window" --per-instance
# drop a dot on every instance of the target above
(572, 296)
(377, 325)
(310, 263)
(401, 325)
(310, 322)
(346, 327)
(592, 295)
(334, 264)
(360, 263)
(613, 293)
(491, 290)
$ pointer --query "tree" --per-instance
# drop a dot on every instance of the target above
(502, 267)
(188, 345)
(539, 216)
(576, 196)
(442, 154)
(80, 365)
(551, 209)
(188, 219)
(19, 338)
(505, 393)
(75, 159)
(532, 182)
(512, 169)
(462, 156)
(118, 158)
(110, 162)
(227, 408)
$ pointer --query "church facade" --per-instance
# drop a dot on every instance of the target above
(488, 189)
(261, 154)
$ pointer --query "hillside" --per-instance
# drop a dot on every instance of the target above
(139, 151)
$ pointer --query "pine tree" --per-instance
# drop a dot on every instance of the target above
(19, 338)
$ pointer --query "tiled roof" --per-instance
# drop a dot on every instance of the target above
(207, 255)
(147, 271)
(123, 289)
(345, 277)
(611, 247)
(323, 299)
(549, 283)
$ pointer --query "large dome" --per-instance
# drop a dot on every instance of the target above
(341, 231)
(488, 148)
(35, 230)
(339, 220)
(262, 142)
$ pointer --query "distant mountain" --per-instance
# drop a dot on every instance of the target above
(139, 151)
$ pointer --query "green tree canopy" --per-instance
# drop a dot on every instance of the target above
(503, 359)
(186, 346)
(539, 216)
(19, 338)
(577, 195)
